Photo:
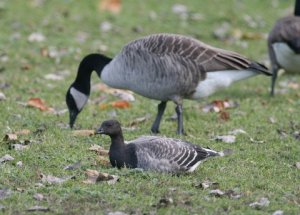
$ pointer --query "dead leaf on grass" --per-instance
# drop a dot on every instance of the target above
(117, 213)
(278, 212)
(10, 137)
(139, 120)
(216, 193)
(99, 149)
(4, 193)
(23, 132)
(121, 104)
(38, 196)
(36, 37)
(206, 184)
(85, 132)
(73, 166)
(226, 138)
(19, 147)
(219, 105)
(5, 158)
(19, 164)
(262, 202)
(297, 165)
(2, 96)
(38, 208)
(113, 6)
(94, 177)
(38, 103)
(53, 180)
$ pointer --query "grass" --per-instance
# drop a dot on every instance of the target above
(255, 169)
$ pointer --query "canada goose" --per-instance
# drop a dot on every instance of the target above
(154, 153)
(163, 67)
(284, 45)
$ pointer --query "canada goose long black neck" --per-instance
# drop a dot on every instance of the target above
(297, 8)
(92, 62)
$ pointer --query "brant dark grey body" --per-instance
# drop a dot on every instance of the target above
(152, 152)
(284, 45)
(164, 67)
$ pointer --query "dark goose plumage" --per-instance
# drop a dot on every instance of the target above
(152, 152)
(164, 67)
(284, 45)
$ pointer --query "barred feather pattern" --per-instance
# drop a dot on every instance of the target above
(168, 154)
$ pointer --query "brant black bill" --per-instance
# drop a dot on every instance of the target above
(164, 67)
(153, 153)
(284, 45)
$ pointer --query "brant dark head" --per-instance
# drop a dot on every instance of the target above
(110, 128)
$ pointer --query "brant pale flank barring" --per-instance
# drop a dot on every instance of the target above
(165, 67)
(154, 153)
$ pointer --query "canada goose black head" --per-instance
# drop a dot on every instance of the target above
(110, 128)
(79, 91)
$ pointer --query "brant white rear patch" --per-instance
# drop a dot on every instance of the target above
(79, 97)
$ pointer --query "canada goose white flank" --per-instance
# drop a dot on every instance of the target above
(164, 67)
(284, 45)
(153, 153)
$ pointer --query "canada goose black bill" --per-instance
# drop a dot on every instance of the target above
(153, 153)
(164, 67)
(284, 45)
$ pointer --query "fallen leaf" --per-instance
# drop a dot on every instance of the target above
(2, 96)
(19, 164)
(278, 212)
(94, 176)
(5, 158)
(38, 196)
(19, 147)
(4, 193)
(224, 116)
(36, 37)
(10, 137)
(216, 193)
(38, 103)
(272, 120)
(52, 179)
(164, 202)
(83, 132)
(38, 208)
(73, 166)
(99, 149)
(219, 105)
(113, 6)
(105, 26)
(297, 165)
(139, 120)
(23, 132)
(53, 77)
(263, 202)
(116, 104)
(117, 213)
(207, 184)
(226, 138)
(237, 131)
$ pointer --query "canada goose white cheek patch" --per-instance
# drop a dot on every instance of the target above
(79, 97)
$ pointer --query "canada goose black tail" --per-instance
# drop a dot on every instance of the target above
(260, 68)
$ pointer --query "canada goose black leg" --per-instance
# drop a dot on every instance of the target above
(274, 77)
(179, 111)
(160, 112)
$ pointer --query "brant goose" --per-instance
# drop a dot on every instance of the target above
(284, 45)
(154, 153)
(164, 67)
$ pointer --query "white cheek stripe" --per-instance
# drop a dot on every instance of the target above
(79, 97)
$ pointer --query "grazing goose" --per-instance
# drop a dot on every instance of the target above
(152, 152)
(284, 45)
(164, 67)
